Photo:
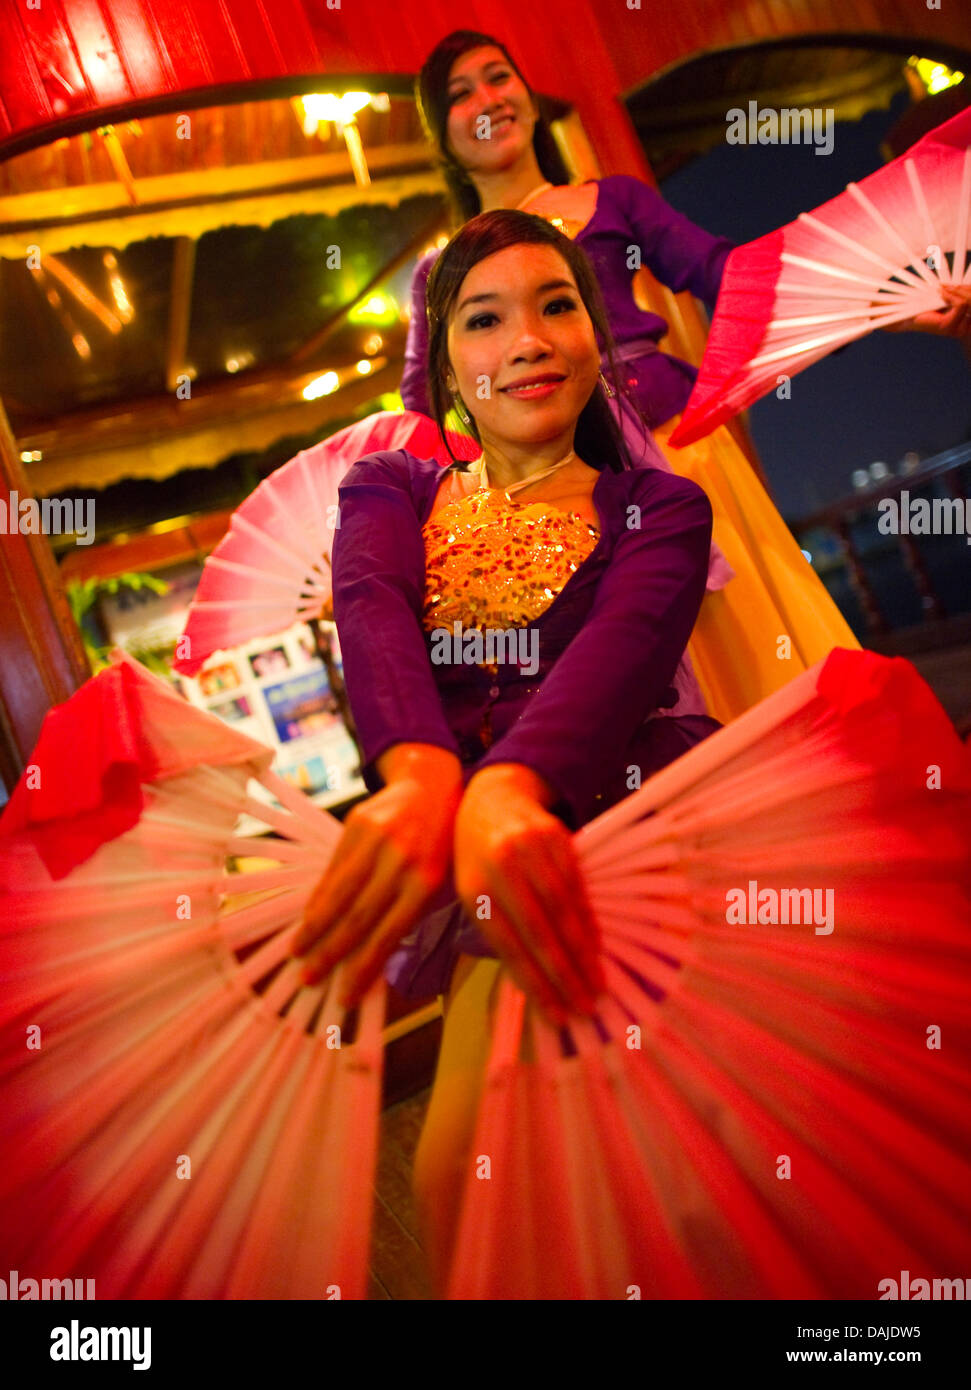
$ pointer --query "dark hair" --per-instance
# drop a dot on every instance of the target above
(431, 94)
(598, 439)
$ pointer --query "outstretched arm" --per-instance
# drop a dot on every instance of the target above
(396, 848)
(511, 853)
(679, 253)
(618, 666)
(378, 585)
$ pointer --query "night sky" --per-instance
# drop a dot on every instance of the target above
(880, 397)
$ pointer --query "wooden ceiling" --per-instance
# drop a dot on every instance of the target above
(199, 247)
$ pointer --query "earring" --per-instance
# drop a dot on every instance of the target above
(463, 413)
(608, 389)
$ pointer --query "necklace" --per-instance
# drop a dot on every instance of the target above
(540, 188)
(479, 466)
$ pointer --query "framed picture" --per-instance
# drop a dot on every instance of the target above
(269, 662)
(302, 706)
(233, 710)
(218, 679)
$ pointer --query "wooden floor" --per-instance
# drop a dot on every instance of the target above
(397, 1265)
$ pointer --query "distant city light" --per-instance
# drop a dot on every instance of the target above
(808, 556)
(324, 385)
(373, 344)
(861, 479)
(364, 366)
(878, 471)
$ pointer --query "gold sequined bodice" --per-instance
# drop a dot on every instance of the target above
(491, 563)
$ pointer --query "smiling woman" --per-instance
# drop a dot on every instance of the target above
(497, 152)
(480, 771)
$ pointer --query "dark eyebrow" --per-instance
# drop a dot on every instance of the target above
(540, 289)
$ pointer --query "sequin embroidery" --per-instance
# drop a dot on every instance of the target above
(492, 563)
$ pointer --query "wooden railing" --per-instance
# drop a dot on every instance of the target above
(950, 468)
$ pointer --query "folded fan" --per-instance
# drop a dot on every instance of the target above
(180, 1116)
(272, 568)
(877, 254)
(758, 1110)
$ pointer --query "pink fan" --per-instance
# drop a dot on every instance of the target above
(179, 1115)
(875, 255)
(773, 1100)
(272, 568)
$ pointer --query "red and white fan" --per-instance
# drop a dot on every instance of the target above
(877, 254)
(774, 1098)
(180, 1117)
(272, 568)
(759, 1109)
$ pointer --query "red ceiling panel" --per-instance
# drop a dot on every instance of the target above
(93, 36)
(71, 57)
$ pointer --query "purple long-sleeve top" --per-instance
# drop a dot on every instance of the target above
(608, 645)
(677, 252)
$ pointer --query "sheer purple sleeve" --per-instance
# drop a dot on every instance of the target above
(378, 584)
(677, 252)
(414, 387)
(616, 669)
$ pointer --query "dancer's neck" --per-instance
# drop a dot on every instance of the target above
(508, 465)
(507, 188)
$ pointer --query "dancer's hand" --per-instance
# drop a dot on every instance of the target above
(954, 322)
(516, 859)
(393, 856)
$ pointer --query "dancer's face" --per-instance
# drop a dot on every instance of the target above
(519, 319)
(483, 83)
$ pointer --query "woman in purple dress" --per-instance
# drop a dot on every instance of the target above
(510, 631)
(496, 151)
(767, 616)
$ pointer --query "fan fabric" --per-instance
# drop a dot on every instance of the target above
(180, 1116)
(877, 254)
(761, 1109)
(272, 568)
